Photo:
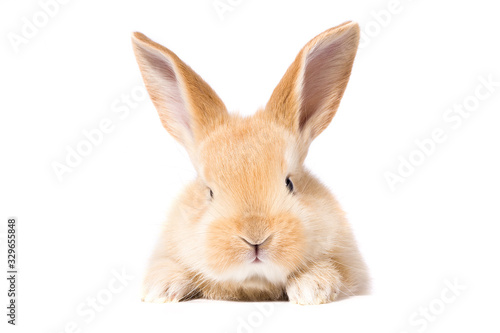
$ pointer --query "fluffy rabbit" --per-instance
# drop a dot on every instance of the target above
(254, 225)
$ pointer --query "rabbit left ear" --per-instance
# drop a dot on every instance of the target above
(188, 107)
(307, 97)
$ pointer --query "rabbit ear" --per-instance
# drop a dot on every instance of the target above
(309, 93)
(189, 109)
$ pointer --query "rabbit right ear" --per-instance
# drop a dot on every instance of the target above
(307, 97)
(188, 107)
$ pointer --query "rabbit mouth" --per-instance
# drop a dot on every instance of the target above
(257, 257)
(257, 249)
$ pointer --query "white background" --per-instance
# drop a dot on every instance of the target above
(439, 226)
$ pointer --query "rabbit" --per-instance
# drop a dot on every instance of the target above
(254, 225)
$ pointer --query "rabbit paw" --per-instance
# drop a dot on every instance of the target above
(311, 288)
(170, 292)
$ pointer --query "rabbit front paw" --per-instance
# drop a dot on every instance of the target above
(166, 292)
(313, 288)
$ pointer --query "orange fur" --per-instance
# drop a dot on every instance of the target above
(307, 252)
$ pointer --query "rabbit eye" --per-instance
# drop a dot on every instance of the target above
(211, 193)
(289, 184)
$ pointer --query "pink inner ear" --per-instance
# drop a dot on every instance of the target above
(323, 69)
(166, 92)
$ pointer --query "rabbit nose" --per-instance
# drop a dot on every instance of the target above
(255, 245)
(255, 248)
(251, 243)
